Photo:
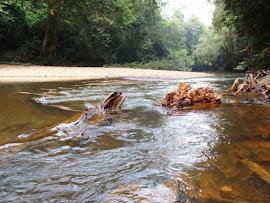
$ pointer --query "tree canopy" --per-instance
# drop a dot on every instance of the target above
(244, 30)
(98, 32)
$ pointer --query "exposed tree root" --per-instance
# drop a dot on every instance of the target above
(185, 95)
(261, 83)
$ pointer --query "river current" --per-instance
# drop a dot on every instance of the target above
(143, 153)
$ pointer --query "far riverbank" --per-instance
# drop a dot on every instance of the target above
(20, 73)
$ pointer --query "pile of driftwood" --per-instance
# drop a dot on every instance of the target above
(260, 83)
(185, 95)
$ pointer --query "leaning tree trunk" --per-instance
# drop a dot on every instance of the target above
(118, 48)
(45, 40)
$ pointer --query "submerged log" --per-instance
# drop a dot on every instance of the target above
(185, 95)
(257, 169)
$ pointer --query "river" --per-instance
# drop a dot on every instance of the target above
(143, 153)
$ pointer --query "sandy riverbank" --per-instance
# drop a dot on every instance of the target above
(19, 73)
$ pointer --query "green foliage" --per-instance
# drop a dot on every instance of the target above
(98, 32)
(161, 64)
(217, 51)
(248, 19)
(239, 40)
(182, 60)
(193, 29)
(13, 28)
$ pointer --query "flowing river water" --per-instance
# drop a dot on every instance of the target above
(143, 153)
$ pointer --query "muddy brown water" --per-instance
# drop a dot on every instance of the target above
(144, 153)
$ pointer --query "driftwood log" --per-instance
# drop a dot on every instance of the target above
(79, 124)
(113, 102)
(260, 83)
(185, 95)
(257, 169)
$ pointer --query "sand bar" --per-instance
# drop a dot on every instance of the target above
(33, 73)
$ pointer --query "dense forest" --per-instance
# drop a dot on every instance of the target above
(134, 33)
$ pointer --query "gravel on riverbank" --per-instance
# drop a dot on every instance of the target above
(33, 73)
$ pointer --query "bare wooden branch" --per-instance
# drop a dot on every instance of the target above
(235, 85)
(261, 83)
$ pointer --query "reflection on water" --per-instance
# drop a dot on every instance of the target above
(144, 153)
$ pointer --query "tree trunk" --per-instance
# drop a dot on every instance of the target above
(139, 54)
(118, 48)
(45, 40)
(56, 13)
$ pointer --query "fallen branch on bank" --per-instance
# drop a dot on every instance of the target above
(185, 95)
(261, 83)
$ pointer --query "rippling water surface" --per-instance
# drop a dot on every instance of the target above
(143, 153)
